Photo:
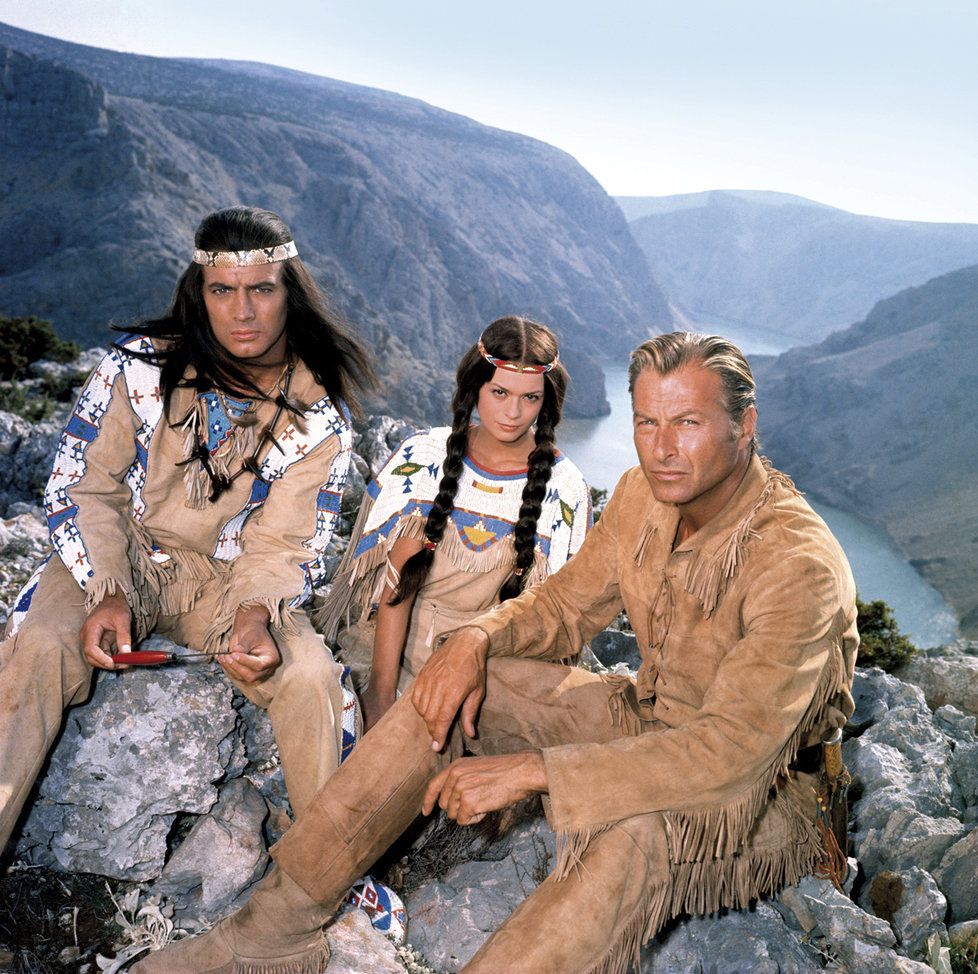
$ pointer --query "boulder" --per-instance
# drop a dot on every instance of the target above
(949, 679)
(356, 947)
(921, 911)
(221, 856)
(165, 767)
(613, 647)
(756, 940)
(957, 876)
(858, 942)
(451, 918)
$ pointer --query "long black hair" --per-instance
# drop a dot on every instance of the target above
(512, 339)
(315, 333)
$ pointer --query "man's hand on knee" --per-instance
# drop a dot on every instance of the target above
(253, 655)
(108, 628)
(469, 788)
(453, 680)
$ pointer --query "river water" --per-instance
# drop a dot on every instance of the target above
(603, 450)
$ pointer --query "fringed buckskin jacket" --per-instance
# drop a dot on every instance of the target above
(747, 632)
(126, 512)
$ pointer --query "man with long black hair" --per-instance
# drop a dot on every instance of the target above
(194, 491)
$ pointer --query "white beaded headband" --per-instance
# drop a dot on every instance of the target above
(246, 258)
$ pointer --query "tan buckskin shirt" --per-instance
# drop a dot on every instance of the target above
(748, 639)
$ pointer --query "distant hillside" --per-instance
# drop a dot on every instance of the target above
(880, 420)
(424, 225)
(635, 207)
(778, 263)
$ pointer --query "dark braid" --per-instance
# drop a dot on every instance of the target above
(512, 339)
(416, 568)
(540, 464)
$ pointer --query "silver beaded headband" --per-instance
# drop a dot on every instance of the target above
(246, 258)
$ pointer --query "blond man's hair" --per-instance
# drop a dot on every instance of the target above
(677, 349)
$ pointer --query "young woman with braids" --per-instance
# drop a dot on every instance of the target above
(461, 518)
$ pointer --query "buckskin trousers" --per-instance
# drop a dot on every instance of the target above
(591, 919)
(42, 671)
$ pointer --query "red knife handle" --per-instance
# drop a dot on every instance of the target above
(142, 657)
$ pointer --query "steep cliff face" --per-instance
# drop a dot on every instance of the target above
(880, 420)
(760, 262)
(423, 225)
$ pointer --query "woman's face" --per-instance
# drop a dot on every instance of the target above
(509, 404)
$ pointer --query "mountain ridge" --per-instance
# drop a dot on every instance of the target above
(796, 270)
(422, 225)
(879, 421)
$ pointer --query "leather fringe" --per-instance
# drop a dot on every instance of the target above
(313, 963)
(218, 636)
(359, 582)
(571, 846)
(711, 863)
(720, 831)
(707, 578)
(625, 954)
(167, 587)
(239, 447)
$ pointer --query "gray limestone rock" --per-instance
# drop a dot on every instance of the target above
(449, 920)
(86, 361)
(921, 913)
(221, 856)
(945, 680)
(908, 800)
(377, 438)
(26, 452)
(875, 693)
(857, 942)
(356, 947)
(957, 877)
(733, 943)
(907, 839)
(961, 728)
(146, 748)
(964, 934)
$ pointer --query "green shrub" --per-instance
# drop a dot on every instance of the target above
(25, 340)
(34, 407)
(880, 641)
(964, 958)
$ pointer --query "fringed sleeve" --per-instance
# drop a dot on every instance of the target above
(86, 499)
(395, 505)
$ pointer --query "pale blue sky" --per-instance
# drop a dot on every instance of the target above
(865, 104)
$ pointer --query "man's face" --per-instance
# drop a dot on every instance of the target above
(688, 448)
(247, 308)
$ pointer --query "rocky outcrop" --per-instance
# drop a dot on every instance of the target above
(422, 225)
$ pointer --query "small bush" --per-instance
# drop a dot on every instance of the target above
(880, 641)
(25, 340)
(964, 958)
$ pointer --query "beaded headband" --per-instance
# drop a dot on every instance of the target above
(246, 258)
(516, 366)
